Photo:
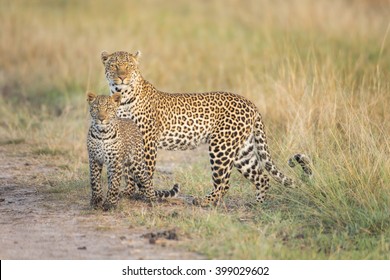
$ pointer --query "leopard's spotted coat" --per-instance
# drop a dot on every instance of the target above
(229, 123)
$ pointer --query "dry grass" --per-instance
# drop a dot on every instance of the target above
(317, 70)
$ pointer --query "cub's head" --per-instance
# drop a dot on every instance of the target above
(120, 67)
(103, 108)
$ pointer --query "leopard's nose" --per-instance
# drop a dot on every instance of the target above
(121, 74)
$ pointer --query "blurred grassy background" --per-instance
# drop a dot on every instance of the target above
(317, 70)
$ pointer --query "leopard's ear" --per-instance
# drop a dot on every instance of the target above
(91, 97)
(117, 97)
(105, 56)
(137, 56)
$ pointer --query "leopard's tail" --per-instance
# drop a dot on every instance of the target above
(168, 193)
(303, 160)
(266, 160)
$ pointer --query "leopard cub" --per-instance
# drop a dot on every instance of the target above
(118, 143)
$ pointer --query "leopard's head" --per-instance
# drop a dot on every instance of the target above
(120, 68)
(103, 108)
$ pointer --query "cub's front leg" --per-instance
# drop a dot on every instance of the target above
(131, 187)
(114, 170)
(95, 173)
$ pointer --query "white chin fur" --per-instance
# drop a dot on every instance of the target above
(101, 125)
(116, 87)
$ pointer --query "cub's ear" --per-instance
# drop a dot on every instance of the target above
(105, 56)
(117, 97)
(91, 97)
(137, 55)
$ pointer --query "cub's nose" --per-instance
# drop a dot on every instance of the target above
(101, 116)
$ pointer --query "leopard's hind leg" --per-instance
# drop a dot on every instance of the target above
(248, 164)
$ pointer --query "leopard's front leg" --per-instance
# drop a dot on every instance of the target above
(150, 151)
(114, 170)
(141, 173)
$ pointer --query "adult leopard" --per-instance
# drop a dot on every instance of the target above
(229, 123)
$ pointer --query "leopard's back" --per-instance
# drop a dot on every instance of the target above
(189, 119)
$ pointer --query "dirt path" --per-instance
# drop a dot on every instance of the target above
(34, 226)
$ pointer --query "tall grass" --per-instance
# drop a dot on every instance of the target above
(317, 70)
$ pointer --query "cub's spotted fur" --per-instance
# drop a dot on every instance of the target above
(229, 123)
(118, 143)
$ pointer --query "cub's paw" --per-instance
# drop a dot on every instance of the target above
(96, 202)
(107, 205)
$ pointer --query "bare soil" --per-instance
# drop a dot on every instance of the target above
(36, 225)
